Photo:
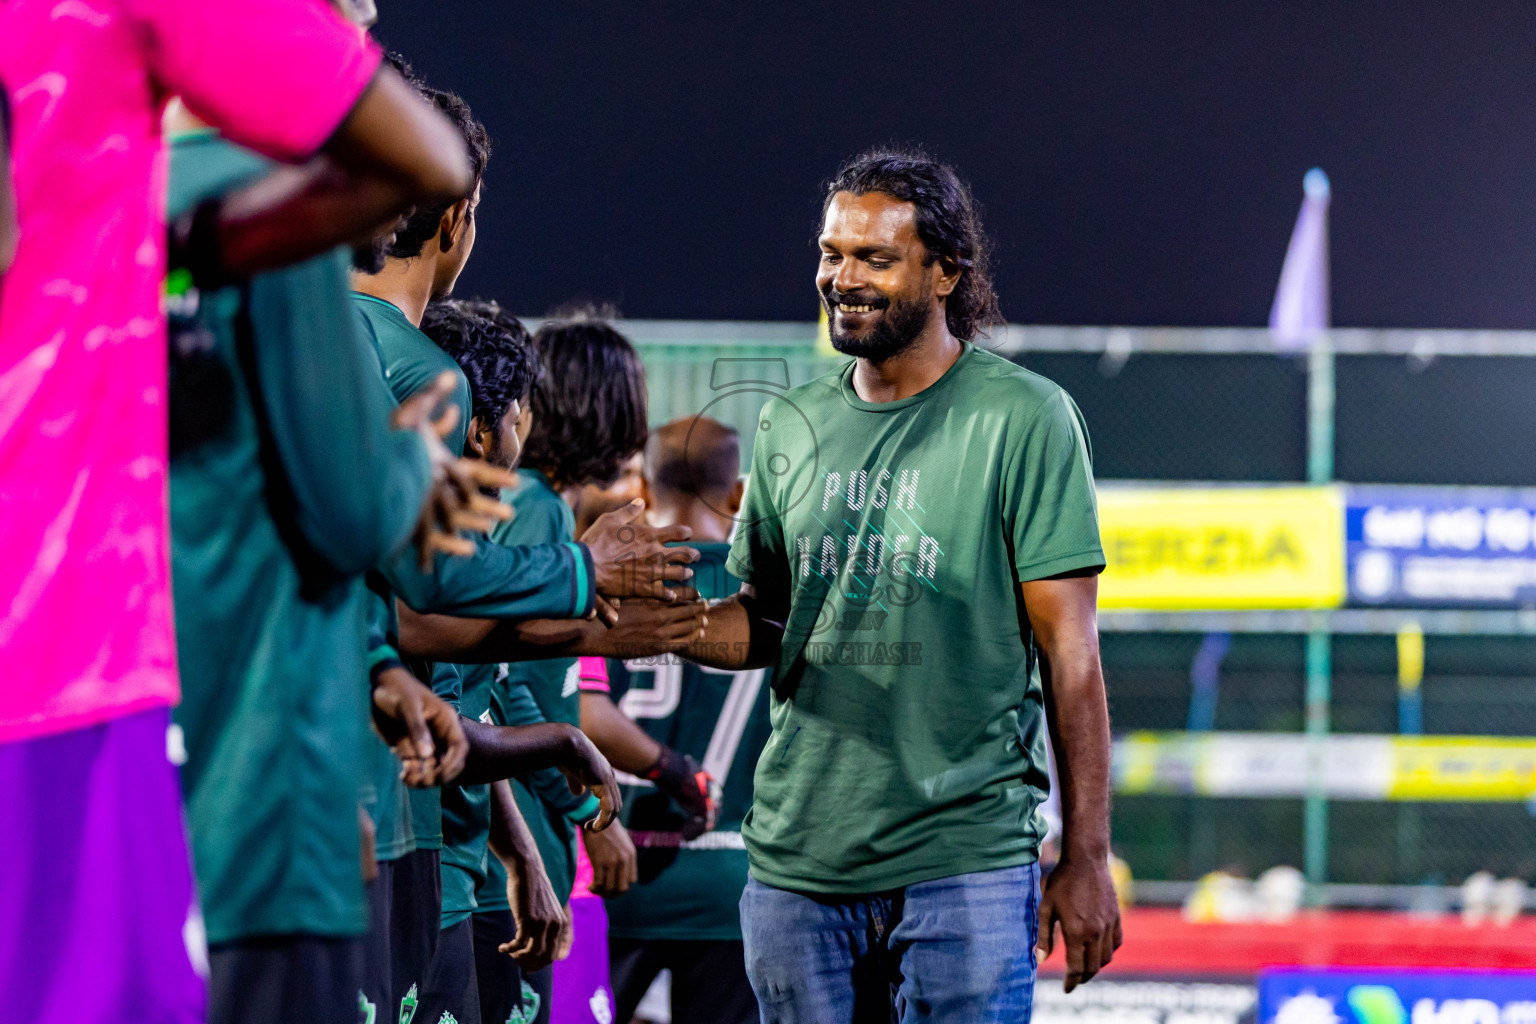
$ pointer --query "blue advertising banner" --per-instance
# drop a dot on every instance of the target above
(1440, 546)
(1306, 996)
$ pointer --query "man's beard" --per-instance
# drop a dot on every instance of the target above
(895, 331)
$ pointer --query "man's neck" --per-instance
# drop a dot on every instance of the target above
(404, 284)
(911, 371)
(706, 524)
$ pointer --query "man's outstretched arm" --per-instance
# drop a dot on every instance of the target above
(643, 628)
(745, 630)
(1079, 896)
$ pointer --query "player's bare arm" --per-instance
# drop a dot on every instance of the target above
(1079, 897)
(8, 229)
(542, 924)
(642, 627)
(743, 631)
(391, 153)
(498, 752)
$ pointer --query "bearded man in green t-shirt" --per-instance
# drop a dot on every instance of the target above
(919, 550)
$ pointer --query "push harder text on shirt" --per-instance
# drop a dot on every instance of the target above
(876, 567)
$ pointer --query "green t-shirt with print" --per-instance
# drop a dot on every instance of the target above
(908, 732)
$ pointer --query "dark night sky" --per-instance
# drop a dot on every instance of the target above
(1140, 163)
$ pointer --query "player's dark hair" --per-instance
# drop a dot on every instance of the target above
(495, 353)
(948, 222)
(589, 410)
(423, 223)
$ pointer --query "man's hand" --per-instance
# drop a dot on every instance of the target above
(632, 559)
(644, 627)
(543, 927)
(587, 769)
(420, 727)
(614, 865)
(1080, 898)
(456, 501)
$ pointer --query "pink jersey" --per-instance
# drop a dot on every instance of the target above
(85, 598)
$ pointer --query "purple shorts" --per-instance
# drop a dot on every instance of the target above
(95, 879)
(581, 993)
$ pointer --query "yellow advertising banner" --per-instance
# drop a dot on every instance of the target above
(1463, 768)
(1450, 769)
(1215, 548)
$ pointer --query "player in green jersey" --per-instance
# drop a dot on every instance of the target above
(506, 582)
(919, 544)
(500, 367)
(484, 342)
(682, 915)
(273, 543)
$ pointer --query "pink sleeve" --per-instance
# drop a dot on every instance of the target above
(278, 76)
(593, 675)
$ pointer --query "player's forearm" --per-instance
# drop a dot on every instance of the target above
(626, 746)
(645, 629)
(739, 635)
(293, 214)
(537, 581)
(499, 752)
(1078, 713)
(483, 641)
(510, 839)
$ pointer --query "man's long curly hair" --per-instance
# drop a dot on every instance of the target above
(948, 222)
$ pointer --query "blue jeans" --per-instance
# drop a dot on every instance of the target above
(957, 950)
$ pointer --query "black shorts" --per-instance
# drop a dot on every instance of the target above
(709, 979)
(538, 997)
(374, 997)
(497, 975)
(297, 979)
(415, 919)
(450, 992)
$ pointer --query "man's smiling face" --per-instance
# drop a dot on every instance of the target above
(876, 279)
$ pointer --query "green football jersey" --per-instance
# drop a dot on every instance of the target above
(545, 801)
(908, 732)
(526, 693)
(412, 361)
(286, 484)
(691, 890)
(466, 809)
(501, 581)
